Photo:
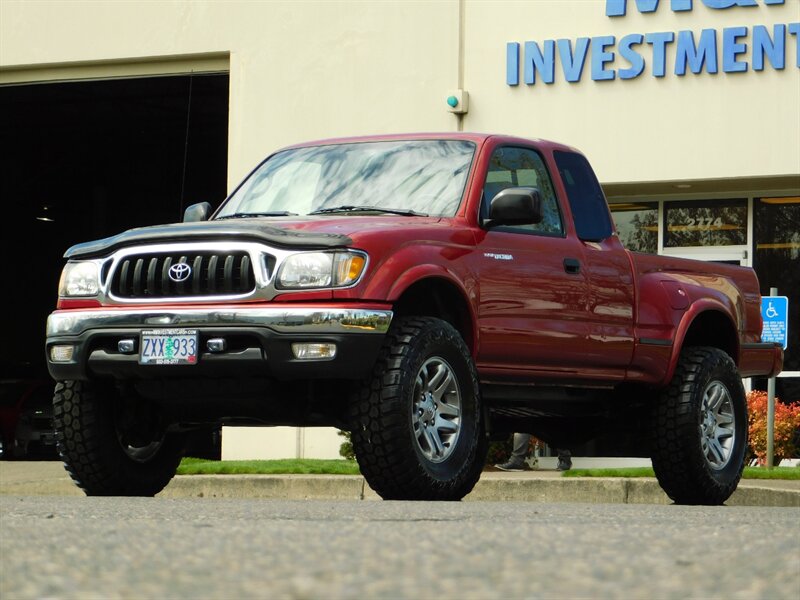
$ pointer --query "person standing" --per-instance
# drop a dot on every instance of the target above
(520, 450)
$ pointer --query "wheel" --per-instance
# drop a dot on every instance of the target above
(110, 447)
(417, 425)
(700, 429)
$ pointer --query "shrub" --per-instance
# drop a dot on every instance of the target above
(346, 449)
(787, 423)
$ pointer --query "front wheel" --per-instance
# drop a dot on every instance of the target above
(700, 429)
(417, 426)
(111, 447)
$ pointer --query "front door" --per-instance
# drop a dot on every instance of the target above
(532, 309)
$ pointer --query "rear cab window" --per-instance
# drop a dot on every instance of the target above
(586, 199)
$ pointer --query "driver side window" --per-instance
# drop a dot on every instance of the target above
(522, 167)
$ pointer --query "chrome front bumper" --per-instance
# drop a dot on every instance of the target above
(262, 339)
(280, 320)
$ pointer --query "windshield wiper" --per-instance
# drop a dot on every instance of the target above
(244, 215)
(377, 209)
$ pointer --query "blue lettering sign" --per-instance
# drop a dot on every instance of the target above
(794, 29)
(767, 44)
(731, 48)
(773, 48)
(618, 8)
(659, 42)
(728, 3)
(631, 55)
(572, 63)
(704, 53)
(600, 57)
(535, 61)
(512, 63)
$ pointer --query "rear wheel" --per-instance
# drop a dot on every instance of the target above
(111, 447)
(418, 430)
(700, 429)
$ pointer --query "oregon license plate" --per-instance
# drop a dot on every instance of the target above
(168, 347)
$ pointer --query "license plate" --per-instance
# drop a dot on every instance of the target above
(168, 347)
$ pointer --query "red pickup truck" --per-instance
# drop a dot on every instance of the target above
(425, 292)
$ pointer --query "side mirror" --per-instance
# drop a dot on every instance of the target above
(515, 206)
(197, 212)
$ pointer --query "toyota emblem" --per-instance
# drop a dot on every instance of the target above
(179, 272)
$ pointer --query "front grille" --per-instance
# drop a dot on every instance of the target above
(210, 274)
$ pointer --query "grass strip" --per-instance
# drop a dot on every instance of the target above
(784, 473)
(295, 466)
(310, 466)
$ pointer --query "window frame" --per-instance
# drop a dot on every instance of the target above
(519, 228)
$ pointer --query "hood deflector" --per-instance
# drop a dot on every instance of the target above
(211, 231)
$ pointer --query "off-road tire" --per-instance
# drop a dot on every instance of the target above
(386, 447)
(88, 444)
(679, 461)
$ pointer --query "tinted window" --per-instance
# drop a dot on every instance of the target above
(586, 199)
(521, 167)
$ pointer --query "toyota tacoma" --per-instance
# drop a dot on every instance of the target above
(427, 293)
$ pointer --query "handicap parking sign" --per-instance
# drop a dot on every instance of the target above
(775, 315)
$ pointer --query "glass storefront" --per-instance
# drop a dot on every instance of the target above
(777, 262)
(707, 229)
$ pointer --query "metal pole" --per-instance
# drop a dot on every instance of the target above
(771, 410)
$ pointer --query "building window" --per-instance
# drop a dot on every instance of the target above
(637, 225)
(777, 264)
(705, 223)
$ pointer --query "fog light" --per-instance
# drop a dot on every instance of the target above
(314, 351)
(61, 353)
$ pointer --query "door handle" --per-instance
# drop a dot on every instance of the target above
(572, 266)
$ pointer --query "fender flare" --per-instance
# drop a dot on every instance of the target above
(695, 310)
(418, 273)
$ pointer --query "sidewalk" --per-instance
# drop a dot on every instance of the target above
(50, 478)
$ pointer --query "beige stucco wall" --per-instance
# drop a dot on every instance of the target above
(269, 443)
(303, 70)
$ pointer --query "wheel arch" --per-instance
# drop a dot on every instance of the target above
(706, 324)
(437, 295)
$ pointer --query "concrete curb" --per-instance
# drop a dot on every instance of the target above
(538, 486)
(353, 487)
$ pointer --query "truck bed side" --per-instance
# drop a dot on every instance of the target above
(683, 302)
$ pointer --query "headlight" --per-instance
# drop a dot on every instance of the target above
(321, 270)
(79, 279)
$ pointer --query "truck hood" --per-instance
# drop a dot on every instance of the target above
(304, 233)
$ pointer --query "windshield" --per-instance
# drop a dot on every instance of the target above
(419, 177)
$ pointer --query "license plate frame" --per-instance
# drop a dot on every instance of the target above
(168, 347)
